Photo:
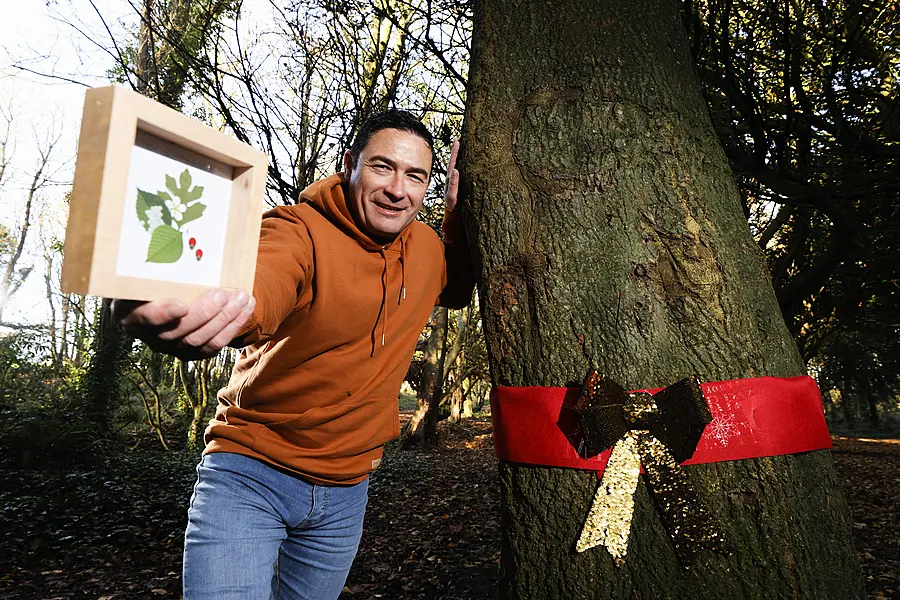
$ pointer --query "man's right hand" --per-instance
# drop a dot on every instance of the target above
(190, 332)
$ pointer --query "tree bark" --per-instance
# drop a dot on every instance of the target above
(609, 233)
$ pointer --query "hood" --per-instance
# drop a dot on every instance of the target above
(327, 196)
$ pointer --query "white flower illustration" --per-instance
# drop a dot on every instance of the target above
(176, 208)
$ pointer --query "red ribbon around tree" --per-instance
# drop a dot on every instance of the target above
(601, 426)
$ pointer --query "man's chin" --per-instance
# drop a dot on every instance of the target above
(387, 233)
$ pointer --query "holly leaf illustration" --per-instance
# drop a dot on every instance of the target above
(144, 201)
(194, 211)
(166, 245)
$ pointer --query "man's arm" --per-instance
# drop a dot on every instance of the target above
(284, 268)
(221, 317)
(459, 275)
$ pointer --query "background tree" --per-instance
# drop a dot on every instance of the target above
(610, 233)
(421, 431)
(803, 96)
(169, 33)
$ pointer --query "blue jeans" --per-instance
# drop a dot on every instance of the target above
(257, 533)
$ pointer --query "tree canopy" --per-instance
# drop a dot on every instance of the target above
(804, 98)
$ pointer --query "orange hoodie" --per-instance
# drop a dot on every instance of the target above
(334, 330)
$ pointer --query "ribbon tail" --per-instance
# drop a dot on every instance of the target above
(685, 516)
(609, 520)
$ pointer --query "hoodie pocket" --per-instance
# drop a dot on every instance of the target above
(345, 429)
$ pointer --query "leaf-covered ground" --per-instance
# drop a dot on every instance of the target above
(870, 470)
(114, 531)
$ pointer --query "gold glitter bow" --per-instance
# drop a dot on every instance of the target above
(656, 431)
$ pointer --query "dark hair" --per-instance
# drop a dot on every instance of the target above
(389, 119)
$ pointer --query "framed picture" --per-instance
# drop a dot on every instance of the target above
(162, 206)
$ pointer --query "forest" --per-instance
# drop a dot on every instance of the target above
(99, 435)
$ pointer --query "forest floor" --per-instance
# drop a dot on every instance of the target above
(114, 531)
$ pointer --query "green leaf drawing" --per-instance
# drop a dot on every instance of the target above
(185, 180)
(166, 245)
(182, 188)
(194, 211)
(171, 184)
(195, 193)
(144, 201)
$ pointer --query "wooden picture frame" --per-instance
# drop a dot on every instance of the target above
(140, 223)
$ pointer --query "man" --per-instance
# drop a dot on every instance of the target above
(345, 282)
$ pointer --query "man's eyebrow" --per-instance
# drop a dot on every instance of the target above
(393, 163)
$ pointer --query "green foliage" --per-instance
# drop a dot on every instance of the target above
(41, 420)
(166, 242)
(193, 211)
(408, 401)
(147, 199)
(161, 61)
(182, 189)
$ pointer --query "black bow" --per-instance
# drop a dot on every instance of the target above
(666, 427)
(676, 416)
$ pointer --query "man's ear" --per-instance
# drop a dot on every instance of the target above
(348, 163)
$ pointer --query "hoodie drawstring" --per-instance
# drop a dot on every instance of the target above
(402, 271)
(382, 311)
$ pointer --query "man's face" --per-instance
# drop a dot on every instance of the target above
(387, 186)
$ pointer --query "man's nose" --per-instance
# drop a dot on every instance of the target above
(396, 188)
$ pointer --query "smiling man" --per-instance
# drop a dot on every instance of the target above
(345, 282)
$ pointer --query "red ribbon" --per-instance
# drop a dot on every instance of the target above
(763, 416)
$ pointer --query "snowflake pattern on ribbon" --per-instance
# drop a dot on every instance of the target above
(722, 429)
(729, 420)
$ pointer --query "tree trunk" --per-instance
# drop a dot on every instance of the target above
(874, 421)
(468, 410)
(457, 394)
(421, 430)
(66, 304)
(153, 409)
(609, 233)
(81, 332)
(456, 359)
(102, 382)
(197, 401)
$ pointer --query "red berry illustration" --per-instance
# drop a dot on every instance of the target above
(198, 254)
(192, 242)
